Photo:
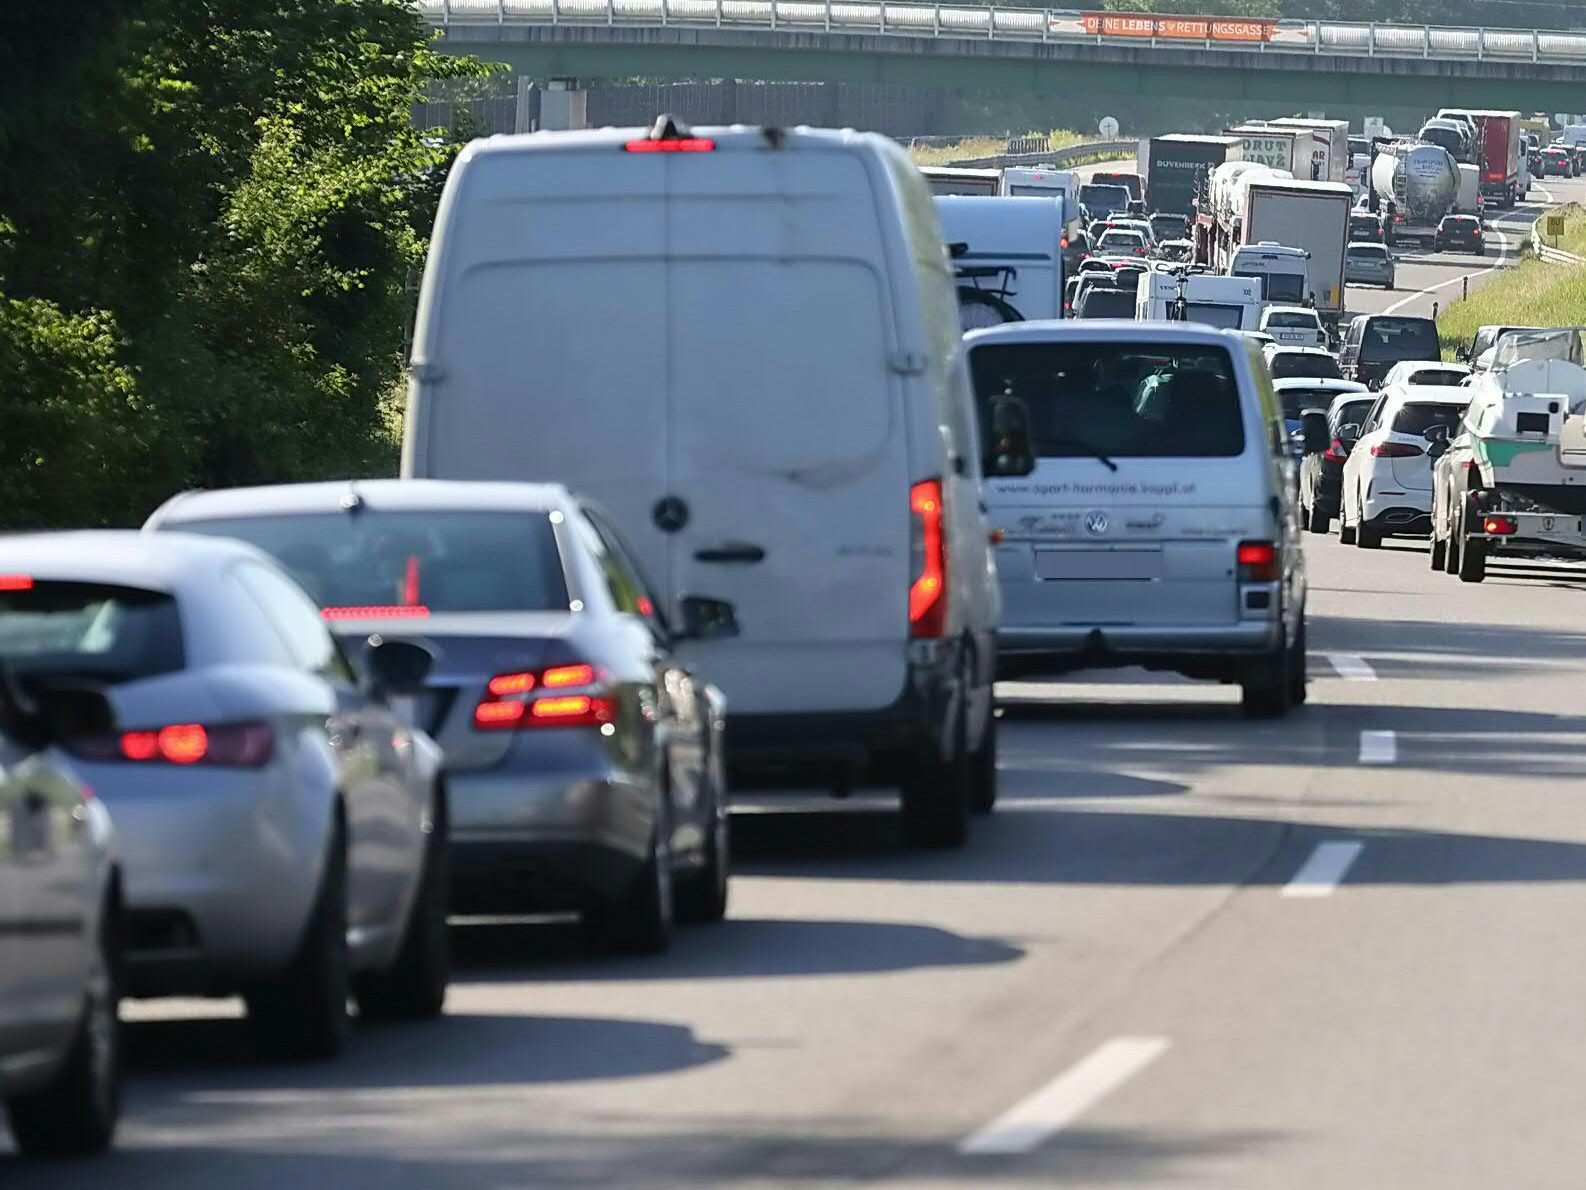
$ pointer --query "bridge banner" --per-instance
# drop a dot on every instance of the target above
(1177, 28)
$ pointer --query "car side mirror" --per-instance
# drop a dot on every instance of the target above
(1010, 451)
(397, 666)
(1313, 431)
(705, 618)
(1349, 434)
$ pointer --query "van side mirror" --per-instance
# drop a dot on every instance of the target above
(1010, 448)
(1313, 431)
(705, 618)
(397, 666)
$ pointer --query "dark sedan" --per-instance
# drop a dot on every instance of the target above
(1461, 231)
(1321, 475)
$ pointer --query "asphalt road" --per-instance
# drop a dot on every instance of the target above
(1188, 951)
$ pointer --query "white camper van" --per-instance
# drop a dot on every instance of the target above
(1007, 257)
(1228, 303)
(744, 344)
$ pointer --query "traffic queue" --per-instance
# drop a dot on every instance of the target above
(703, 488)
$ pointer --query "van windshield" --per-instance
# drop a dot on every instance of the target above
(1120, 399)
(1400, 338)
(1209, 314)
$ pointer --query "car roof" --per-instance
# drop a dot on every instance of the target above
(1287, 310)
(734, 138)
(1411, 365)
(124, 557)
(427, 495)
(1372, 244)
(1329, 382)
(1297, 349)
(1433, 394)
(1099, 329)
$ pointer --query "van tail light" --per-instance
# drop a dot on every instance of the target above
(1337, 452)
(928, 594)
(229, 745)
(16, 582)
(1500, 526)
(1396, 450)
(1258, 562)
(513, 700)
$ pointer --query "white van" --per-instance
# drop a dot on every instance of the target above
(1007, 257)
(1158, 527)
(1229, 303)
(744, 343)
(1282, 270)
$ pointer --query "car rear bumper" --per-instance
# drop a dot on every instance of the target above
(1399, 520)
(1026, 651)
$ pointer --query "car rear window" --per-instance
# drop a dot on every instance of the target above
(1297, 400)
(97, 630)
(1118, 399)
(1096, 197)
(1418, 418)
(1168, 227)
(1106, 303)
(1288, 364)
(1445, 376)
(1400, 338)
(411, 563)
(1293, 319)
(1367, 252)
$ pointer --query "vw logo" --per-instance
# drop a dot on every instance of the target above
(1096, 523)
(670, 514)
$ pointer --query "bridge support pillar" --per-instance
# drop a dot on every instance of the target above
(563, 106)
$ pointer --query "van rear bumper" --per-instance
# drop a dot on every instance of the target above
(1027, 651)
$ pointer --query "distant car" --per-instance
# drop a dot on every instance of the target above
(1099, 200)
(1176, 251)
(1418, 371)
(1294, 326)
(1386, 489)
(1321, 472)
(1478, 352)
(1365, 227)
(1099, 301)
(584, 764)
(1299, 393)
(1311, 362)
(1460, 231)
(1557, 163)
(1373, 343)
(1368, 264)
(1166, 225)
(282, 831)
(60, 890)
(1117, 241)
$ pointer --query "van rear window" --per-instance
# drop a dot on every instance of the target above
(1133, 400)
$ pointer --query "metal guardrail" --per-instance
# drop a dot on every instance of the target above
(1092, 150)
(1450, 43)
(1547, 253)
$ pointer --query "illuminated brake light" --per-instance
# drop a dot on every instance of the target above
(1336, 453)
(16, 582)
(1396, 450)
(504, 684)
(1500, 526)
(928, 594)
(505, 708)
(1258, 562)
(394, 611)
(498, 714)
(235, 745)
(682, 144)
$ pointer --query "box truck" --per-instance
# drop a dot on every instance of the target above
(1332, 138)
(1296, 150)
(1176, 168)
(1502, 160)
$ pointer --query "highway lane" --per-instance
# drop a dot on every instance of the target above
(1188, 951)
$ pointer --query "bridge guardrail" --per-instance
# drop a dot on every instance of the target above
(1002, 23)
(1067, 155)
(1544, 251)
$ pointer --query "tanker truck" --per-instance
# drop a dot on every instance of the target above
(1415, 185)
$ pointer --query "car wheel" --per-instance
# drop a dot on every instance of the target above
(1266, 691)
(75, 1113)
(1439, 552)
(983, 770)
(1299, 666)
(302, 1012)
(935, 791)
(1317, 521)
(414, 987)
(1472, 564)
(640, 921)
(1346, 531)
(1367, 538)
(702, 895)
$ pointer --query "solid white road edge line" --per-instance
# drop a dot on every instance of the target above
(1378, 747)
(1322, 872)
(1066, 1098)
(1503, 249)
(1351, 667)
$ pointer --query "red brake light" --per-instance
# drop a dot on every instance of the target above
(503, 684)
(236, 745)
(1500, 526)
(498, 714)
(682, 144)
(16, 582)
(410, 582)
(395, 611)
(1258, 562)
(1336, 452)
(1396, 450)
(928, 594)
(504, 706)
(568, 675)
(572, 710)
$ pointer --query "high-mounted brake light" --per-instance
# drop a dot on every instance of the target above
(393, 611)
(687, 144)
(1396, 450)
(234, 745)
(928, 594)
(16, 582)
(1258, 562)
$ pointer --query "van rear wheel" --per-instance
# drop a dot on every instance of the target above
(935, 791)
(1266, 691)
(983, 770)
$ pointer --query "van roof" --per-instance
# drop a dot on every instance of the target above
(736, 138)
(993, 224)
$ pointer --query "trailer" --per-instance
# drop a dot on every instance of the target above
(1177, 166)
(1331, 139)
(1504, 176)
(1295, 150)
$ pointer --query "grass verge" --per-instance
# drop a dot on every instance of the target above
(1529, 294)
(971, 148)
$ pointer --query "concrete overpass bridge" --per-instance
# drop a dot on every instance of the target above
(1299, 64)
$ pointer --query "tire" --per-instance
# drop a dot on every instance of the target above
(1346, 531)
(1451, 549)
(1317, 521)
(1266, 691)
(1367, 538)
(413, 988)
(983, 770)
(302, 1013)
(935, 792)
(641, 920)
(75, 1113)
(1299, 667)
(1472, 561)
(1439, 553)
(702, 895)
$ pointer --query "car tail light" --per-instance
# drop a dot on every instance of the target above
(1396, 450)
(16, 582)
(682, 144)
(1258, 562)
(928, 594)
(505, 705)
(1500, 526)
(230, 745)
(1337, 452)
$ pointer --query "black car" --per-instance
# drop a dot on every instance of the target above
(1365, 227)
(1322, 474)
(1460, 231)
(1557, 163)
(1375, 342)
(1166, 225)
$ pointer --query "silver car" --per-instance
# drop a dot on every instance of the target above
(1368, 264)
(584, 763)
(281, 829)
(59, 902)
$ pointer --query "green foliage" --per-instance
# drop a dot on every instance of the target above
(212, 207)
(1530, 294)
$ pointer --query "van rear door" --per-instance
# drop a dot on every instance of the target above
(789, 442)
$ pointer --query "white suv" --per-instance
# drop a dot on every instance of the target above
(1387, 484)
(1294, 326)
